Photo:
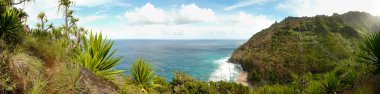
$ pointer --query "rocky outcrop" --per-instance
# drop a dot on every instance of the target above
(96, 85)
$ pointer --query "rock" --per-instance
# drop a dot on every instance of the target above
(96, 85)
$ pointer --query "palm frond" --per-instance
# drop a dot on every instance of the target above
(371, 49)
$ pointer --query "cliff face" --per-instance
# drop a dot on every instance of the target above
(300, 45)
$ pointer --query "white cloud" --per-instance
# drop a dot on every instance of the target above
(49, 7)
(328, 7)
(149, 14)
(192, 13)
(244, 4)
(186, 22)
(149, 22)
(93, 3)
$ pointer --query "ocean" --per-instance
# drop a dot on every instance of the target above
(202, 59)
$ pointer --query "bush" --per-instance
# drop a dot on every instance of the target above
(185, 84)
(161, 86)
(181, 78)
(10, 26)
(371, 49)
(98, 57)
(331, 83)
(142, 75)
(274, 89)
(314, 87)
(229, 87)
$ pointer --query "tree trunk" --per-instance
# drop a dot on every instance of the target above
(42, 24)
(78, 37)
(67, 26)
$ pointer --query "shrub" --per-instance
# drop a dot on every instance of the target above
(274, 89)
(142, 75)
(371, 49)
(331, 83)
(161, 86)
(181, 78)
(314, 87)
(185, 84)
(98, 57)
(10, 26)
(229, 87)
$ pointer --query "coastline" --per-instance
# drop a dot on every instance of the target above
(242, 78)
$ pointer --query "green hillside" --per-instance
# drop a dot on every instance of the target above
(304, 45)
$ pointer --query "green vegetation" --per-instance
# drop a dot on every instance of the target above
(300, 55)
(10, 26)
(371, 48)
(45, 60)
(331, 83)
(313, 54)
(185, 84)
(98, 57)
(142, 75)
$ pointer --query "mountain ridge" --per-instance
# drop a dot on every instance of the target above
(299, 45)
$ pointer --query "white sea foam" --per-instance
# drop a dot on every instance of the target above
(225, 71)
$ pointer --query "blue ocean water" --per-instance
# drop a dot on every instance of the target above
(203, 59)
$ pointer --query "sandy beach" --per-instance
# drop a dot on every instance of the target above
(242, 78)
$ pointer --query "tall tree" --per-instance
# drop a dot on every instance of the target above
(79, 32)
(65, 6)
(42, 17)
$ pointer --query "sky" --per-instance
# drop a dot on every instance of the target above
(189, 19)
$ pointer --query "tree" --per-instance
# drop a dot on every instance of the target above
(79, 32)
(42, 17)
(65, 6)
(371, 49)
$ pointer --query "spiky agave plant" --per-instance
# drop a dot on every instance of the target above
(10, 26)
(97, 56)
(371, 48)
(142, 75)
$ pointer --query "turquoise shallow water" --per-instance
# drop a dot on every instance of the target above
(203, 59)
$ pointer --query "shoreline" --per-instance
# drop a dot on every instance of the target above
(242, 78)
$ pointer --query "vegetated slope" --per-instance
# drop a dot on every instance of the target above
(361, 21)
(299, 45)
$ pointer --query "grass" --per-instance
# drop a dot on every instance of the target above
(29, 72)
(69, 74)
